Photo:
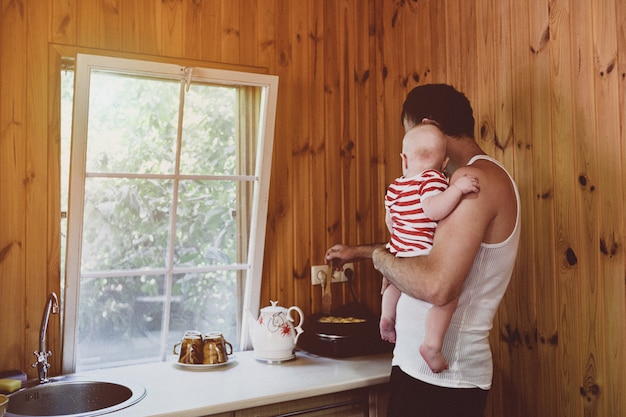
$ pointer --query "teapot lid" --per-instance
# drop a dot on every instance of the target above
(273, 308)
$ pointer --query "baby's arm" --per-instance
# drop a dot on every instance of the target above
(439, 206)
(388, 220)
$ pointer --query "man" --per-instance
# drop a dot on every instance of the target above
(472, 258)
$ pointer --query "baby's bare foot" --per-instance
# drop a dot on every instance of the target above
(388, 330)
(434, 358)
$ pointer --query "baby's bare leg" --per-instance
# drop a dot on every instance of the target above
(437, 322)
(388, 315)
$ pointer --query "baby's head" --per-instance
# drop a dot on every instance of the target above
(423, 147)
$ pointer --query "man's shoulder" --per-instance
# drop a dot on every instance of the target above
(487, 170)
(496, 187)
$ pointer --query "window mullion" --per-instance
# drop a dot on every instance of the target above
(169, 278)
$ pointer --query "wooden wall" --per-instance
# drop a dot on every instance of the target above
(547, 81)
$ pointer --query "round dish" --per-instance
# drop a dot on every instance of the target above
(202, 366)
(276, 361)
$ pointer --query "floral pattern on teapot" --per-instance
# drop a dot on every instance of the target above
(277, 323)
(276, 335)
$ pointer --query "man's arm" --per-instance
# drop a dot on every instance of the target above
(342, 254)
(439, 276)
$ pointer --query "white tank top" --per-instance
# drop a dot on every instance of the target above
(466, 344)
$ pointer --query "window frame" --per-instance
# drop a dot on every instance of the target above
(85, 63)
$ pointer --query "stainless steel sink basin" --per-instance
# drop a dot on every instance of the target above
(74, 397)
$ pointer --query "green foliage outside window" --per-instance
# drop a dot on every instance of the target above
(133, 125)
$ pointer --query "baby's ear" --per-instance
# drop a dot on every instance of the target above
(405, 161)
(444, 164)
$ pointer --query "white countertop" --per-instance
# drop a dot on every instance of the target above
(243, 382)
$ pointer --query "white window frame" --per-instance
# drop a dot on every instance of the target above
(253, 271)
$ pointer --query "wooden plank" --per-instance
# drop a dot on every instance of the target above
(393, 91)
(140, 26)
(368, 198)
(439, 39)
(99, 24)
(281, 281)
(511, 121)
(266, 35)
(13, 173)
(229, 37)
(248, 22)
(346, 19)
(541, 233)
(517, 155)
(587, 204)
(193, 12)
(63, 21)
(378, 146)
(171, 27)
(334, 115)
(609, 278)
(566, 227)
(422, 61)
(618, 298)
(467, 49)
(211, 29)
(316, 134)
(454, 50)
(303, 210)
(487, 40)
(87, 24)
(335, 84)
(620, 15)
(110, 27)
(383, 124)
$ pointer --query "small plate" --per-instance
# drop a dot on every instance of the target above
(202, 366)
(277, 360)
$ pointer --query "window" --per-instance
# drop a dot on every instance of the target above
(167, 206)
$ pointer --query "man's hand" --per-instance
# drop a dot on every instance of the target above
(339, 254)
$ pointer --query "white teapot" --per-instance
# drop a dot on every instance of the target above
(273, 334)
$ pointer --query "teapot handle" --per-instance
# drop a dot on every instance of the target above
(297, 327)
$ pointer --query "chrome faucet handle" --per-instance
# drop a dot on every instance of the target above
(42, 358)
(42, 365)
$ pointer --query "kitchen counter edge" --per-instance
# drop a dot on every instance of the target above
(245, 382)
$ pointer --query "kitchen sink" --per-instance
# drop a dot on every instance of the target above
(73, 397)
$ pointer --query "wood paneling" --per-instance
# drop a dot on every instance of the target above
(13, 175)
(540, 235)
(548, 83)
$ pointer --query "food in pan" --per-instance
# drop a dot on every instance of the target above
(333, 319)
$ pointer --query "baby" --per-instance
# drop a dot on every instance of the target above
(414, 203)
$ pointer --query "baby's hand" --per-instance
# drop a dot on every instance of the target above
(467, 184)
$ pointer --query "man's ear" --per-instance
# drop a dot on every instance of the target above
(428, 121)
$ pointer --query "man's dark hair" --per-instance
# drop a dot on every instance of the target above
(442, 103)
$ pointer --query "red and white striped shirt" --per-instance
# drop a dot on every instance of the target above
(412, 231)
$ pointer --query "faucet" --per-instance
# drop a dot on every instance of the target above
(42, 365)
